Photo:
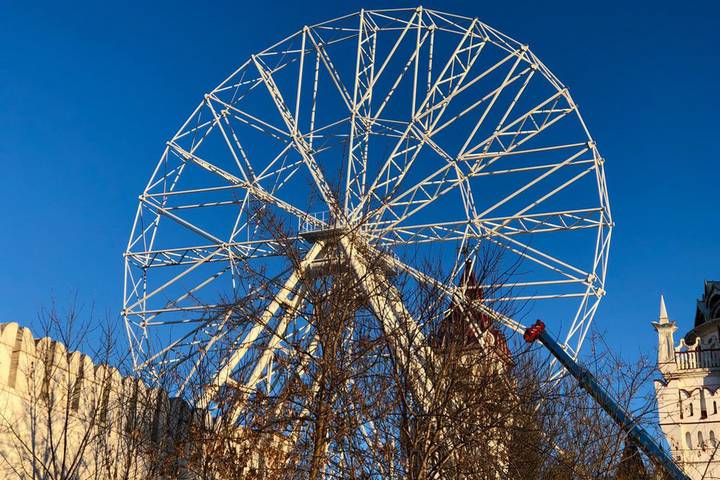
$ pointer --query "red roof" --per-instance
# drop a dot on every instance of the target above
(461, 326)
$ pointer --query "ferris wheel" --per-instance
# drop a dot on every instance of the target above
(419, 137)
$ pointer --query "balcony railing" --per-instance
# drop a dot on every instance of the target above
(709, 358)
(313, 222)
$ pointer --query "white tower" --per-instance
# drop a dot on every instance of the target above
(666, 341)
(687, 392)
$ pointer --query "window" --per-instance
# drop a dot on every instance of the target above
(690, 409)
(688, 441)
(713, 442)
(714, 407)
(701, 443)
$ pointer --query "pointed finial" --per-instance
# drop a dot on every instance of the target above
(663, 310)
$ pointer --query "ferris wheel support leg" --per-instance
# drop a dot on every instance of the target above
(619, 414)
(406, 340)
(283, 298)
(291, 307)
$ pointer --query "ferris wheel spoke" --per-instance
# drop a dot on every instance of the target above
(534, 255)
(301, 145)
(460, 179)
(256, 190)
(544, 222)
(160, 210)
(525, 74)
(376, 75)
(525, 252)
(251, 121)
(415, 58)
(394, 169)
(432, 129)
(431, 192)
(142, 300)
(440, 182)
(365, 80)
(359, 131)
(172, 257)
(236, 150)
(509, 78)
(521, 224)
(413, 61)
(539, 179)
(320, 49)
(478, 162)
(526, 126)
(182, 258)
(511, 107)
(153, 317)
(453, 292)
(357, 171)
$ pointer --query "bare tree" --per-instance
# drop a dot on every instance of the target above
(363, 395)
(346, 402)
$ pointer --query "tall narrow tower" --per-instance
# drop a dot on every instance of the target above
(666, 341)
(687, 392)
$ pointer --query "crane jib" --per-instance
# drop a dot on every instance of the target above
(620, 415)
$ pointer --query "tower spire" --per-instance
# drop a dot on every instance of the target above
(663, 311)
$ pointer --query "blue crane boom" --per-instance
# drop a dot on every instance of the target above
(619, 414)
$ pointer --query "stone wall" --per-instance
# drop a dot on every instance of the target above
(62, 416)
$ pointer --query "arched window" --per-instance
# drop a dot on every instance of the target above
(713, 442)
(688, 441)
(701, 443)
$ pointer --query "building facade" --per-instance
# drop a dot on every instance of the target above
(688, 392)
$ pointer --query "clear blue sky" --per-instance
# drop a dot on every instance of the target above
(89, 92)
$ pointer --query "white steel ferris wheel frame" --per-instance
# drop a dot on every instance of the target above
(380, 198)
